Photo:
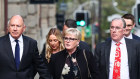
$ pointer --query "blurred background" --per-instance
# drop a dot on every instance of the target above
(93, 16)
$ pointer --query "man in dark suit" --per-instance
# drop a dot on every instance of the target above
(130, 24)
(70, 23)
(118, 61)
(19, 56)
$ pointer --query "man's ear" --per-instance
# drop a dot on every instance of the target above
(7, 29)
(133, 25)
(24, 28)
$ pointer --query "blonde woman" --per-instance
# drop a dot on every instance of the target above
(54, 44)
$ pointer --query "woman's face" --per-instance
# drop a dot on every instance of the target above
(71, 42)
(54, 42)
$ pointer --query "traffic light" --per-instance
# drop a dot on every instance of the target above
(81, 18)
(138, 14)
(60, 21)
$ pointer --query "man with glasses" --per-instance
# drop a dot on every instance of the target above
(118, 58)
(130, 24)
(70, 23)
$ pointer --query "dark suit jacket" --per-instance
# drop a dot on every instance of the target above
(102, 53)
(29, 62)
(135, 37)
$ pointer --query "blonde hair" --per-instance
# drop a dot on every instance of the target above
(73, 31)
(57, 33)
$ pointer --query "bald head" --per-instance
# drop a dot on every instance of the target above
(16, 17)
(16, 26)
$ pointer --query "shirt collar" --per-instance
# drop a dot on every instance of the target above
(130, 36)
(122, 41)
(13, 40)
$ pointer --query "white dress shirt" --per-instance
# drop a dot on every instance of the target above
(130, 36)
(13, 44)
(124, 69)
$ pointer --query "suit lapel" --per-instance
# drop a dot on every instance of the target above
(8, 49)
(133, 36)
(107, 55)
(25, 50)
(129, 51)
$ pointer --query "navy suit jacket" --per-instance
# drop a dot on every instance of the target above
(102, 53)
(135, 37)
(30, 60)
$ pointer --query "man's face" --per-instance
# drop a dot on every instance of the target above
(129, 27)
(116, 30)
(16, 27)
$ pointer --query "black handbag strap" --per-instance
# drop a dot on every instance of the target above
(89, 75)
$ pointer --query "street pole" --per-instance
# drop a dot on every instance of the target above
(99, 20)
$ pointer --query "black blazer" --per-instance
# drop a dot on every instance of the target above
(58, 60)
(30, 60)
(102, 53)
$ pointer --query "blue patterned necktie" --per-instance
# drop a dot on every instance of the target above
(17, 54)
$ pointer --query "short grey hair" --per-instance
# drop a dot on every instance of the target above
(73, 31)
(124, 23)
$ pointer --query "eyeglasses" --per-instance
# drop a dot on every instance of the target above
(117, 28)
(129, 25)
(69, 39)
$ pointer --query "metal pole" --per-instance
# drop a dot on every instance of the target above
(99, 20)
(5, 16)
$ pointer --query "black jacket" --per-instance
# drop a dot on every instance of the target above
(58, 60)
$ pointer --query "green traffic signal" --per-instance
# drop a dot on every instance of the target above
(78, 23)
(139, 21)
(138, 14)
(81, 23)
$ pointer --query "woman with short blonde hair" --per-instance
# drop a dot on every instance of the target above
(72, 62)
